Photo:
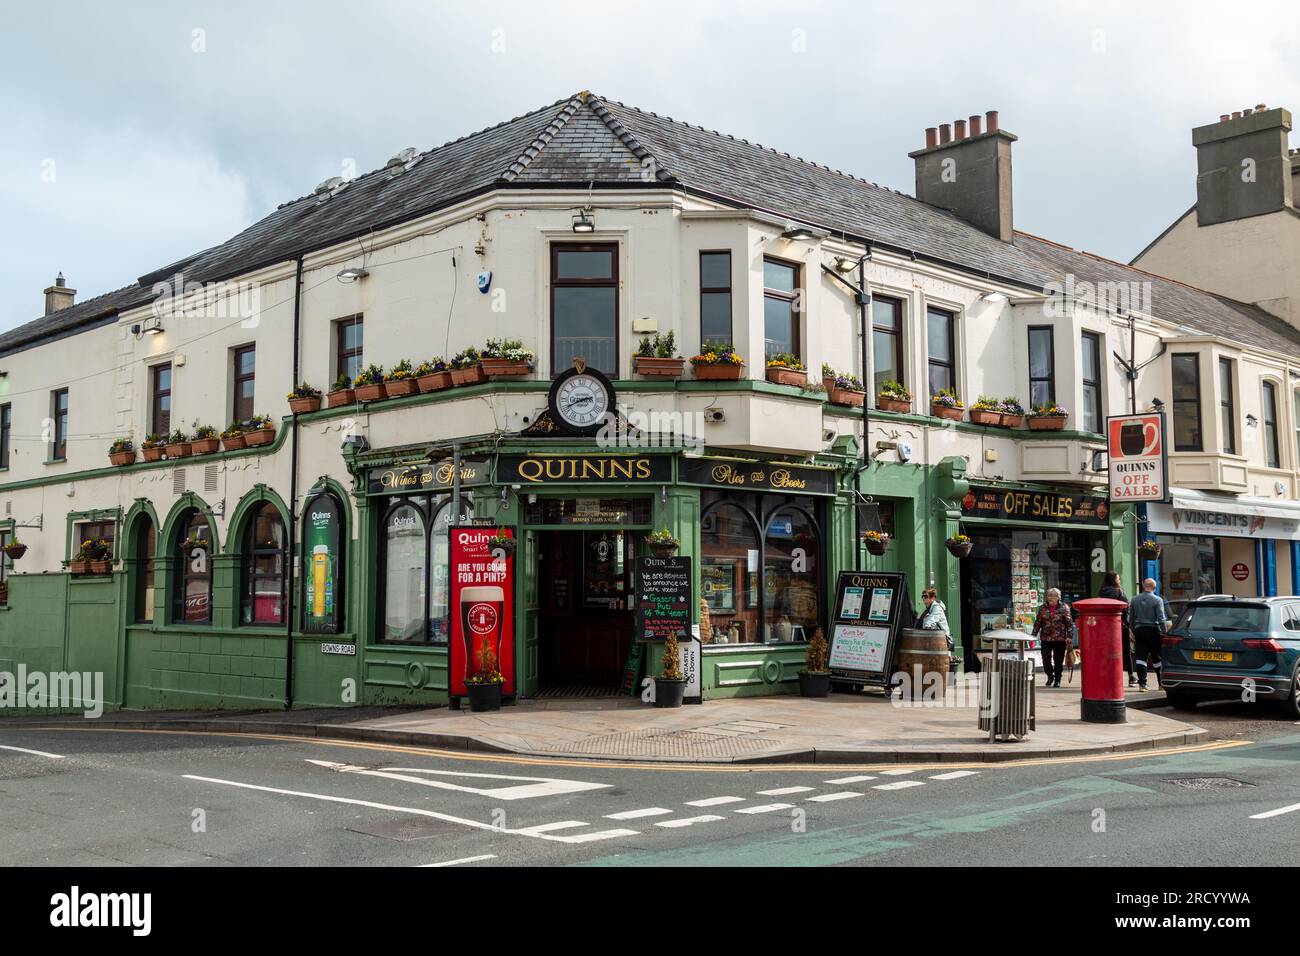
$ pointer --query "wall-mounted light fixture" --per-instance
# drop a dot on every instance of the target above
(353, 273)
(993, 297)
(1157, 405)
(795, 231)
(583, 221)
(1252, 421)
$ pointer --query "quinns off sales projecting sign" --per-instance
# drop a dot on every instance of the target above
(1139, 467)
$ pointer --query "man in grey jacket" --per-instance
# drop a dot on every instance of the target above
(1147, 615)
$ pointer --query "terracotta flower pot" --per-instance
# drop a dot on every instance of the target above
(719, 372)
(848, 396)
(944, 411)
(654, 367)
(434, 382)
(985, 416)
(371, 392)
(787, 376)
(1047, 423)
(78, 566)
(340, 396)
(152, 454)
(1011, 421)
(468, 376)
(828, 383)
(204, 446)
(887, 404)
(234, 443)
(504, 368)
(261, 436)
(399, 387)
(121, 458)
(179, 449)
(101, 566)
(305, 404)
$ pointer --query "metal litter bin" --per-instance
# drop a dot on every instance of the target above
(1006, 702)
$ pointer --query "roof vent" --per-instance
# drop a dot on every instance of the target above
(403, 161)
(330, 188)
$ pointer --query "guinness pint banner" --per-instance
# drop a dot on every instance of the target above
(593, 469)
(1051, 507)
(433, 476)
(757, 476)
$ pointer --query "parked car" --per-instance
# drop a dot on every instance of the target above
(1226, 648)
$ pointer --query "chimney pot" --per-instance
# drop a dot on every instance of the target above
(1259, 107)
(945, 133)
(1236, 114)
(991, 119)
(975, 124)
(931, 136)
(959, 129)
(59, 296)
(1224, 117)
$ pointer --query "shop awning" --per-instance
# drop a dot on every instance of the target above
(1280, 508)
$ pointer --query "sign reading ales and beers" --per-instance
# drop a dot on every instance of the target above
(482, 608)
(757, 476)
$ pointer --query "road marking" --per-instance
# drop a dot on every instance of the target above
(899, 785)
(468, 859)
(858, 779)
(954, 774)
(533, 787)
(842, 795)
(782, 791)
(714, 801)
(766, 808)
(688, 821)
(1277, 813)
(637, 814)
(895, 773)
(548, 827)
(38, 753)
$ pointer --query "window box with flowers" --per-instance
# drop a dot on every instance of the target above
(1013, 413)
(484, 685)
(151, 449)
(400, 380)
(178, 445)
(98, 555)
(341, 394)
(959, 545)
(984, 411)
(121, 452)
(304, 399)
(1048, 417)
(232, 439)
(784, 369)
(466, 368)
(717, 361)
(259, 431)
(369, 384)
(205, 441)
(876, 542)
(505, 358)
(657, 357)
(945, 404)
(893, 397)
(844, 389)
(433, 375)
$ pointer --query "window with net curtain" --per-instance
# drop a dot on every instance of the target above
(264, 562)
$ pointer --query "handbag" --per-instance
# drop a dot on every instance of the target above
(1071, 657)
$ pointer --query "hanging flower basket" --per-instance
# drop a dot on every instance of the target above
(876, 542)
(15, 550)
(1149, 550)
(959, 546)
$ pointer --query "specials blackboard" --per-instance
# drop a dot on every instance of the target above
(663, 598)
(870, 608)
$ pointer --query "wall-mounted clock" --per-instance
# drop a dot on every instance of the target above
(581, 400)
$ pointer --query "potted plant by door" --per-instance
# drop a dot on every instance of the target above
(1048, 417)
(876, 542)
(121, 452)
(433, 375)
(984, 411)
(784, 369)
(369, 384)
(400, 380)
(662, 543)
(15, 549)
(657, 357)
(341, 394)
(893, 397)
(206, 440)
(946, 404)
(505, 358)
(815, 678)
(1013, 413)
(484, 685)
(232, 439)
(847, 390)
(178, 444)
(670, 685)
(259, 431)
(304, 399)
(959, 545)
(465, 367)
(717, 361)
(151, 449)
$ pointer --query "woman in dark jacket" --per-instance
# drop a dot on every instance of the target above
(1054, 626)
(1111, 589)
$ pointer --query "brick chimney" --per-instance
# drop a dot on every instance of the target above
(970, 174)
(58, 296)
(1242, 165)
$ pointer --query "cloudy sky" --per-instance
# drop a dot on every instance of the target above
(137, 133)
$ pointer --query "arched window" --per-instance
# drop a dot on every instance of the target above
(262, 594)
(729, 549)
(791, 575)
(440, 570)
(193, 543)
(142, 569)
(405, 556)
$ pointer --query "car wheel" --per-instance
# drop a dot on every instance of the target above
(1290, 706)
(1181, 701)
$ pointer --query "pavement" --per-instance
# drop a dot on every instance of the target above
(843, 728)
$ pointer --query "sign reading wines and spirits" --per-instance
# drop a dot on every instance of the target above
(583, 469)
(757, 476)
(1135, 449)
(322, 596)
(1047, 506)
(870, 607)
(482, 608)
(663, 598)
(436, 476)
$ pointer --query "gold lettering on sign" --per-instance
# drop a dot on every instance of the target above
(726, 475)
(784, 479)
(583, 469)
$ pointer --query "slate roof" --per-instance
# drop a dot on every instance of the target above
(585, 138)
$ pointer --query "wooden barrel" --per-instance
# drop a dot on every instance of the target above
(922, 653)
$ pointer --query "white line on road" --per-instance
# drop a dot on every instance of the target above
(899, 785)
(714, 801)
(782, 791)
(858, 779)
(688, 821)
(548, 827)
(766, 808)
(842, 795)
(38, 753)
(895, 773)
(1276, 813)
(637, 814)
(468, 859)
(531, 787)
(954, 774)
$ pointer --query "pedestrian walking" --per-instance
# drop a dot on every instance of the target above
(1147, 613)
(1054, 626)
(1111, 589)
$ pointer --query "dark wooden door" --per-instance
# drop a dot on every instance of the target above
(586, 606)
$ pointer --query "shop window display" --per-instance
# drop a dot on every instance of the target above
(415, 578)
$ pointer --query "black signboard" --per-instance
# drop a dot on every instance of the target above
(663, 598)
(1051, 507)
(870, 607)
(580, 469)
(757, 476)
(430, 476)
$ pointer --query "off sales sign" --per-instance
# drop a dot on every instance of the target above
(1138, 464)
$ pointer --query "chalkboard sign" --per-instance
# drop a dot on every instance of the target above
(870, 607)
(663, 598)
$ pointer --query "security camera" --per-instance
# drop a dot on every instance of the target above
(715, 415)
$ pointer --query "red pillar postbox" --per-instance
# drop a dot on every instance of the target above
(1100, 644)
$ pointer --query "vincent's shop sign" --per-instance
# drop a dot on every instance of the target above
(1011, 504)
(583, 469)
(757, 476)
(1165, 519)
(434, 476)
